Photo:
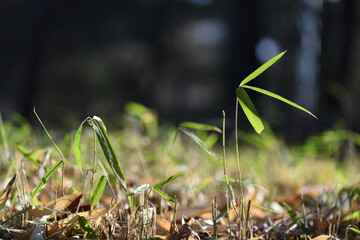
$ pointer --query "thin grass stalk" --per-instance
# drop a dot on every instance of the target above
(214, 216)
(57, 148)
(94, 162)
(223, 145)
(174, 220)
(170, 151)
(237, 149)
(228, 211)
(247, 217)
(240, 219)
(304, 210)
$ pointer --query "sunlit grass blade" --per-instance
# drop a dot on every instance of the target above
(199, 142)
(29, 155)
(296, 219)
(261, 69)
(164, 195)
(76, 148)
(249, 110)
(47, 176)
(232, 180)
(46, 131)
(266, 209)
(169, 179)
(353, 216)
(355, 229)
(89, 232)
(108, 150)
(97, 191)
(199, 126)
(273, 95)
(163, 182)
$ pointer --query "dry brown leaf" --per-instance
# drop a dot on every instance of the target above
(163, 225)
(322, 237)
(192, 211)
(88, 215)
(159, 236)
(6, 193)
(58, 204)
(254, 211)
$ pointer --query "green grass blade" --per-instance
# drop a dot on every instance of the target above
(199, 142)
(261, 69)
(97, 191)
(62, 155)
(200, 126)
(353, 216)
(47, 176)
(89, 232)
(164, 195)
(141, 189)
(76, 148)
(296, 219)
(108, 150)
(249, 110)
(169, 179)
(266, 209)
(29, 155)
(165, 181)
(355, 229)
(273, 95)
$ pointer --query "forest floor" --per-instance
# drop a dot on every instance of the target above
(147, 181)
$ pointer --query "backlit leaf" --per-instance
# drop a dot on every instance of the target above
(164, 195)
(249, 110)
(47, 176)
(108, 150)
(169, 179)
(97, 191)
(199, 142)
(261, 69)
(76, 148)
(200, 126)
(273, 95)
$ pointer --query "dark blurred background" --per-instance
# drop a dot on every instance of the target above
(183, 58)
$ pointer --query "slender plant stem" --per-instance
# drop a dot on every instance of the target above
(94, 162)
(237, 147)
(62, 155)
(224, 159)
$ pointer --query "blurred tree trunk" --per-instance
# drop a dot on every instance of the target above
(37, 24)
(242, 22)
(340, 62)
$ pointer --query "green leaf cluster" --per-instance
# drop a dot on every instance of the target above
(246, 103)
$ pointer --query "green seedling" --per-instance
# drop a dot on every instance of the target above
(108, 149)
(246, 103)
(53, 169)
(89, 232)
